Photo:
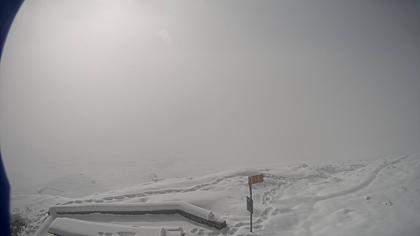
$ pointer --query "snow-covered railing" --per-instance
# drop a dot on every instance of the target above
(185, 209)
(73, 227)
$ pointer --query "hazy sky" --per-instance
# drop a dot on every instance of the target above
(86, 83)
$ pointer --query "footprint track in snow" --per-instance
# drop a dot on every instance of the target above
(311, 200)
(207, 186)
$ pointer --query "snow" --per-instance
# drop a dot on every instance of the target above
(73, 227)
(56, 211)
(381, 197)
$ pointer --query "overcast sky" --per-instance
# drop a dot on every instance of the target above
(110, 81)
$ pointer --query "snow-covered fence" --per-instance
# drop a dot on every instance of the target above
(185, 209)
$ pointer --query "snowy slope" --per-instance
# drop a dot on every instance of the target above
(378, 198)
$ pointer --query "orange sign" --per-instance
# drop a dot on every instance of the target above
(255, 179)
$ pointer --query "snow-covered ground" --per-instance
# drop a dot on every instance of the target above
(377, 198)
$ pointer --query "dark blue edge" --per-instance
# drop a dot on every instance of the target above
(8, 11)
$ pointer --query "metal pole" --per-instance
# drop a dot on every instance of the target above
(250, 196)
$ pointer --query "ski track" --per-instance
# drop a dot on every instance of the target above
(365, 183)
(236, 227)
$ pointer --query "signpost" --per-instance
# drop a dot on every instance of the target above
(255, 179)
(249, 204)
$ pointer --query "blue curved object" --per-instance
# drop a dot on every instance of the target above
(8, 10)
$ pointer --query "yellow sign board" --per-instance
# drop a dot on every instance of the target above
(255, 179)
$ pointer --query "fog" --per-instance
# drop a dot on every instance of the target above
(120, 90)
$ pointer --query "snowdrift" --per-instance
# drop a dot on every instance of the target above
(59, 223)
